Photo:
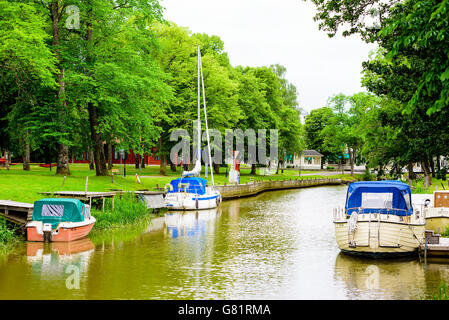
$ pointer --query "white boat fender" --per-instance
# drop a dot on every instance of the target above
(218, 200)
(352, 222)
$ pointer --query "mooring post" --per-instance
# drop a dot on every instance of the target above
(87, 181)
(63, 181)
(425, 251)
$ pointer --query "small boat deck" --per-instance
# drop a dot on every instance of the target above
(436, 245)
(17, 212)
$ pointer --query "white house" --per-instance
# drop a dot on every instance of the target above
(309, 159)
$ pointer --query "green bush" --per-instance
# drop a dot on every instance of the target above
(330, 168)
(8, 237)
(127, 209)
(367, 176)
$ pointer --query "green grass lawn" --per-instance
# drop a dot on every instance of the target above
(24, 186)
(437, 184)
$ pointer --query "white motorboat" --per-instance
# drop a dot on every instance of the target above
(379, 220)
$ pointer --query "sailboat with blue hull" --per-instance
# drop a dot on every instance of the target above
(191, 192)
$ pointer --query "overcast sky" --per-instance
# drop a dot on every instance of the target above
(265, 32)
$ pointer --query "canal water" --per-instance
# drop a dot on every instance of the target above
(277, 245)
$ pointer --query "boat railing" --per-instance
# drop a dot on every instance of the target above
(392, 211)
(341, 214)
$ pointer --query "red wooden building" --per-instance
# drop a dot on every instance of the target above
(129, 157)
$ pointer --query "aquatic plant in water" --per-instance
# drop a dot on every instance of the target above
(441, 294)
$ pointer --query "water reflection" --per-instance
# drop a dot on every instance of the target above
(381, 279)
(277, 245)
(190, 223)
(51, 260)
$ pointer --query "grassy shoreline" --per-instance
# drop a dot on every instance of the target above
(24, 186)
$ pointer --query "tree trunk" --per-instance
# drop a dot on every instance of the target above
(411, 174)
(27, 150)
(432, 166)
(163, 166)
(63, 160)
(99, 157)
(163, 157)
(136, 161)
(277, 167)
(253, 168)
(216, 168)
(352, 160)
(90, 158)
(7, 160)
(63, 150)
(427, 178)
(142, 162)
(110, 156)
(438, 163)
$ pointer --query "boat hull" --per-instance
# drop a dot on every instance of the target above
(187, 201)
(392, 238)
(437, 224)
(65, 232)
(437, 219)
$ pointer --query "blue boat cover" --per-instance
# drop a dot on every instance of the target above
(389, 196)
(193, 185)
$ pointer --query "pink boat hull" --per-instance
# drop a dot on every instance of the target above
(64, 234)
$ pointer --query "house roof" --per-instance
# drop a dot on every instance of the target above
(311, 153)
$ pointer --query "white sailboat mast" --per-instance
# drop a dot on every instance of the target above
(199, 108)
(205, 119)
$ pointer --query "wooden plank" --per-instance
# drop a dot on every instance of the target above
(10, 203)
(14, 219)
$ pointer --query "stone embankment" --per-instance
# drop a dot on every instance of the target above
(233, 191)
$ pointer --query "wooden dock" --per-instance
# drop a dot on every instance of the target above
(17, 212)
(90, 196)
(435, 245)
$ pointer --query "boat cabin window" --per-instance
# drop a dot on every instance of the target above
(377, 200)
(183, 187)
(52, 210)
(407, 200)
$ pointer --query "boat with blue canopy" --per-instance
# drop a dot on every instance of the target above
(378, 219)
(191, 192)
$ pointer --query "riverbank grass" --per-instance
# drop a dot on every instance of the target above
(8, 237)
(127, 210)
(418, 185)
